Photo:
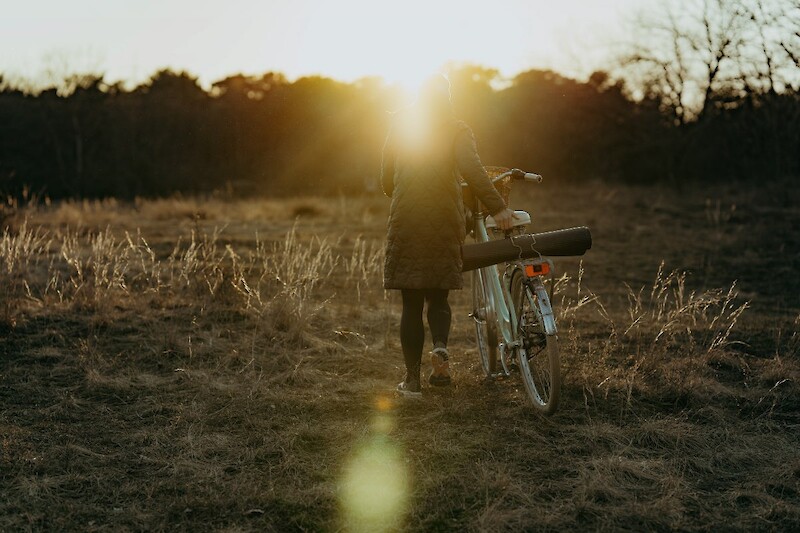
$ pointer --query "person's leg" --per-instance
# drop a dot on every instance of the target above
(412, 331)
(439, 317)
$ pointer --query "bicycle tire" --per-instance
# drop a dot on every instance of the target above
(538, 359)
(485, 323)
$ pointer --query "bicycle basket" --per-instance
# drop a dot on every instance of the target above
(503, 186)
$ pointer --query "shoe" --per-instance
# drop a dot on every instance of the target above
(440, 361)
(410, 388)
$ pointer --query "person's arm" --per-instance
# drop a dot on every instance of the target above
(471, 169)
(387, 167)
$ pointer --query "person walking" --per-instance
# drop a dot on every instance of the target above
(426, 152)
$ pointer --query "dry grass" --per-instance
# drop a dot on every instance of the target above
(203, 364)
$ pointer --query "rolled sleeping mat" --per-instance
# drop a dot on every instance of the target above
(562, 242)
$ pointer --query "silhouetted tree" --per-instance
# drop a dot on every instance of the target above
(266, 135)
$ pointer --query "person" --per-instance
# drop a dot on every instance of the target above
(425, 152)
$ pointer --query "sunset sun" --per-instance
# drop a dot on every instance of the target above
(414, 41)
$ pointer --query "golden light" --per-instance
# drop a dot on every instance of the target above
(383, 403)
(403, 45)
(374, 489)
(346, 40)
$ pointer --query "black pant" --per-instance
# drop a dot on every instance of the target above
(412, 331)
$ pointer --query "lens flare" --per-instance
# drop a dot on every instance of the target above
(383, 403)
(375, 484)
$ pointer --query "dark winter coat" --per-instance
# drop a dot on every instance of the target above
(426, 225)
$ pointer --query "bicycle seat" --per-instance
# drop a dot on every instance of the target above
(523, 219)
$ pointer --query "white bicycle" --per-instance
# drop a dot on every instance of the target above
(514, 323)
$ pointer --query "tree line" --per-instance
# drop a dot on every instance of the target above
(265, 135)
(709, 97)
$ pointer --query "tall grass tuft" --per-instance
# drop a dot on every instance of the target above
(282, 283)
(364, 264)
(20, 252)
(282, 287)
(98, 266)
(666, 338)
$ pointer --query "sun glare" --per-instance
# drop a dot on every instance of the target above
(407, 42)
(412, 41)
(374, 489)
(346, 40)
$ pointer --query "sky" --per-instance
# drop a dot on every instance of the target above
(401, 41)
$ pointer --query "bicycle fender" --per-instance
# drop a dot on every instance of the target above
(548, 319)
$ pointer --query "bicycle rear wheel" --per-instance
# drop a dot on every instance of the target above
(538, 358)
(485, 321)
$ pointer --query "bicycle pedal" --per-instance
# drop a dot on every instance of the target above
(477, 317)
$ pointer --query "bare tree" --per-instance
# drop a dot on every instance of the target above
(770, 59)
(693, 56)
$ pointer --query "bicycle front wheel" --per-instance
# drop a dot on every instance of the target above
(485, 321)
(538, 357)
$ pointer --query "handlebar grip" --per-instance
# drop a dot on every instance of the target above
(527, 176)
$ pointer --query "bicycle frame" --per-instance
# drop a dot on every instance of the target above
(513, 314)
(499, 294)
(499, 290)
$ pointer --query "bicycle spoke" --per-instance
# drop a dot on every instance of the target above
(531, 356)
(544, 380)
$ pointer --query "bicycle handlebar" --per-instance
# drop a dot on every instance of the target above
(530, 176)
(520, 175)
(516, 174)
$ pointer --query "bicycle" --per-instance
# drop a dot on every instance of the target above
(512, 311)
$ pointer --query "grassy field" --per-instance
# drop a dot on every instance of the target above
(192, 364)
